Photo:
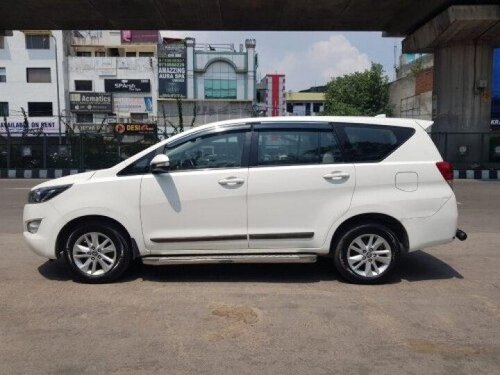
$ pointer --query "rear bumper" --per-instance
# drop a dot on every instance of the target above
(437, 229)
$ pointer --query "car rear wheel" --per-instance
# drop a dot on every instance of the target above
(367, 253)
(97, 252)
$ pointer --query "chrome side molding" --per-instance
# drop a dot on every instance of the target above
(230, 258)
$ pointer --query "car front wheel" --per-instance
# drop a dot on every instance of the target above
(97, 252)
(367, 253)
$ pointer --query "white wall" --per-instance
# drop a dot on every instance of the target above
(15, 58)
(97, 69)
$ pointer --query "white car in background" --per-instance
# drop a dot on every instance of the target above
(363, 191)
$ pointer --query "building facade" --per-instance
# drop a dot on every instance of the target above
(33, 83)
(272, 95)
(410, 95)
(213, 81)
(112, 79)
(305, 103)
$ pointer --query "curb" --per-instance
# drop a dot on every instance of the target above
(476, 174)
(462, 174)
(38, 173)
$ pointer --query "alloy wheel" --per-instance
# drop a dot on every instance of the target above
(369, 255)
(94, 254)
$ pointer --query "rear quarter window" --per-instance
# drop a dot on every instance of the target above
(372, 143)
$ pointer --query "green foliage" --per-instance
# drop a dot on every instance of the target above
(359, 94)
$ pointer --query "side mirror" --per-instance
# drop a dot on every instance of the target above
(159, 164)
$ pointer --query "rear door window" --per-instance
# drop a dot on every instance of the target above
(372, 143)
(293, 147)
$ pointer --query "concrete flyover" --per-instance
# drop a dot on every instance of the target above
(461, 33)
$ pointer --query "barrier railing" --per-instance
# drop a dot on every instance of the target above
(95, 151)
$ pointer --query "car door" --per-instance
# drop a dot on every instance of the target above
(200, 204)
(298, 185)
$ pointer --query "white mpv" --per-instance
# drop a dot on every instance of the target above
(363, 191)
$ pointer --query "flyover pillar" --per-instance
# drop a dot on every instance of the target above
(462, 87)
(462, 39)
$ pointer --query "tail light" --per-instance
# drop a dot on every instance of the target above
(446, 170)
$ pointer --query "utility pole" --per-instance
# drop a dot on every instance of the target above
(57, 86)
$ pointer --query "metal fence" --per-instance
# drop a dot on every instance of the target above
(96, 151)
(79, 151)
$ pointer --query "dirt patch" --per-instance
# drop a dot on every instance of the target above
(243, 314)
(452, 350)
(238, 319)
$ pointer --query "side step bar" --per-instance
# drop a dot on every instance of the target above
(230, 258)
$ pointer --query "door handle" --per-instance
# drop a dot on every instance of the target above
(336, 175)
(231, 181)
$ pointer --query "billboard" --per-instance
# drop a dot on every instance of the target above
(90, 102)
(36, 125)
(172, 69)
(134, 128)
(139, 36)
(133, 104)
(127, 85)
(495, 91)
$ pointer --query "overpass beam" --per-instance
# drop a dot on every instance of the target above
(462, 39)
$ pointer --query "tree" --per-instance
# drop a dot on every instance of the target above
(359, 94)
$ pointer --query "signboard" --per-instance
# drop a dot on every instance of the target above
(172, 70)
(93, 128)
(139, 36)
(36, 125)
(495, 91)
(90, 102)
(133, 104)
(134, 128)
(127, 85)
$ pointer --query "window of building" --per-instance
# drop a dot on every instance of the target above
(84, 53)
(100, 54)
(39, 109)
(83, 85)
(146, 54)
(3, 75)
(210, 151)
(38, 75)
(38, 41)
(130, 54)
(84, 118)
(138, 116)
(4, 110)
(289, 147)
(368, 143)
(317, 107)
(220, 89)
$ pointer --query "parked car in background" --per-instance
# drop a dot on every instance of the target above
(362, 191)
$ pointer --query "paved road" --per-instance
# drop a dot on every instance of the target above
(440, 315)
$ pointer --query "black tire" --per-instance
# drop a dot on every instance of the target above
(123, 255)
(341, 249)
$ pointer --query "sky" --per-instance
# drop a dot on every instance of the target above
(308, 58)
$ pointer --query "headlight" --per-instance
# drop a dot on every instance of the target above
(46, 193)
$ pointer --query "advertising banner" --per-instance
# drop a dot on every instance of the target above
(93, 128)
(127, 85)
(172, 70)
(36, 125)
(495, 91)
(90, 102)
(135, 128)
(139, 36)
(133, 104)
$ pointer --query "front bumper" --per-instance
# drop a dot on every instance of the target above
(43, 242)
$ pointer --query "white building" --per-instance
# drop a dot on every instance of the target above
(30, 80)
(116, 69)
(272, 93)
(217, 82)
